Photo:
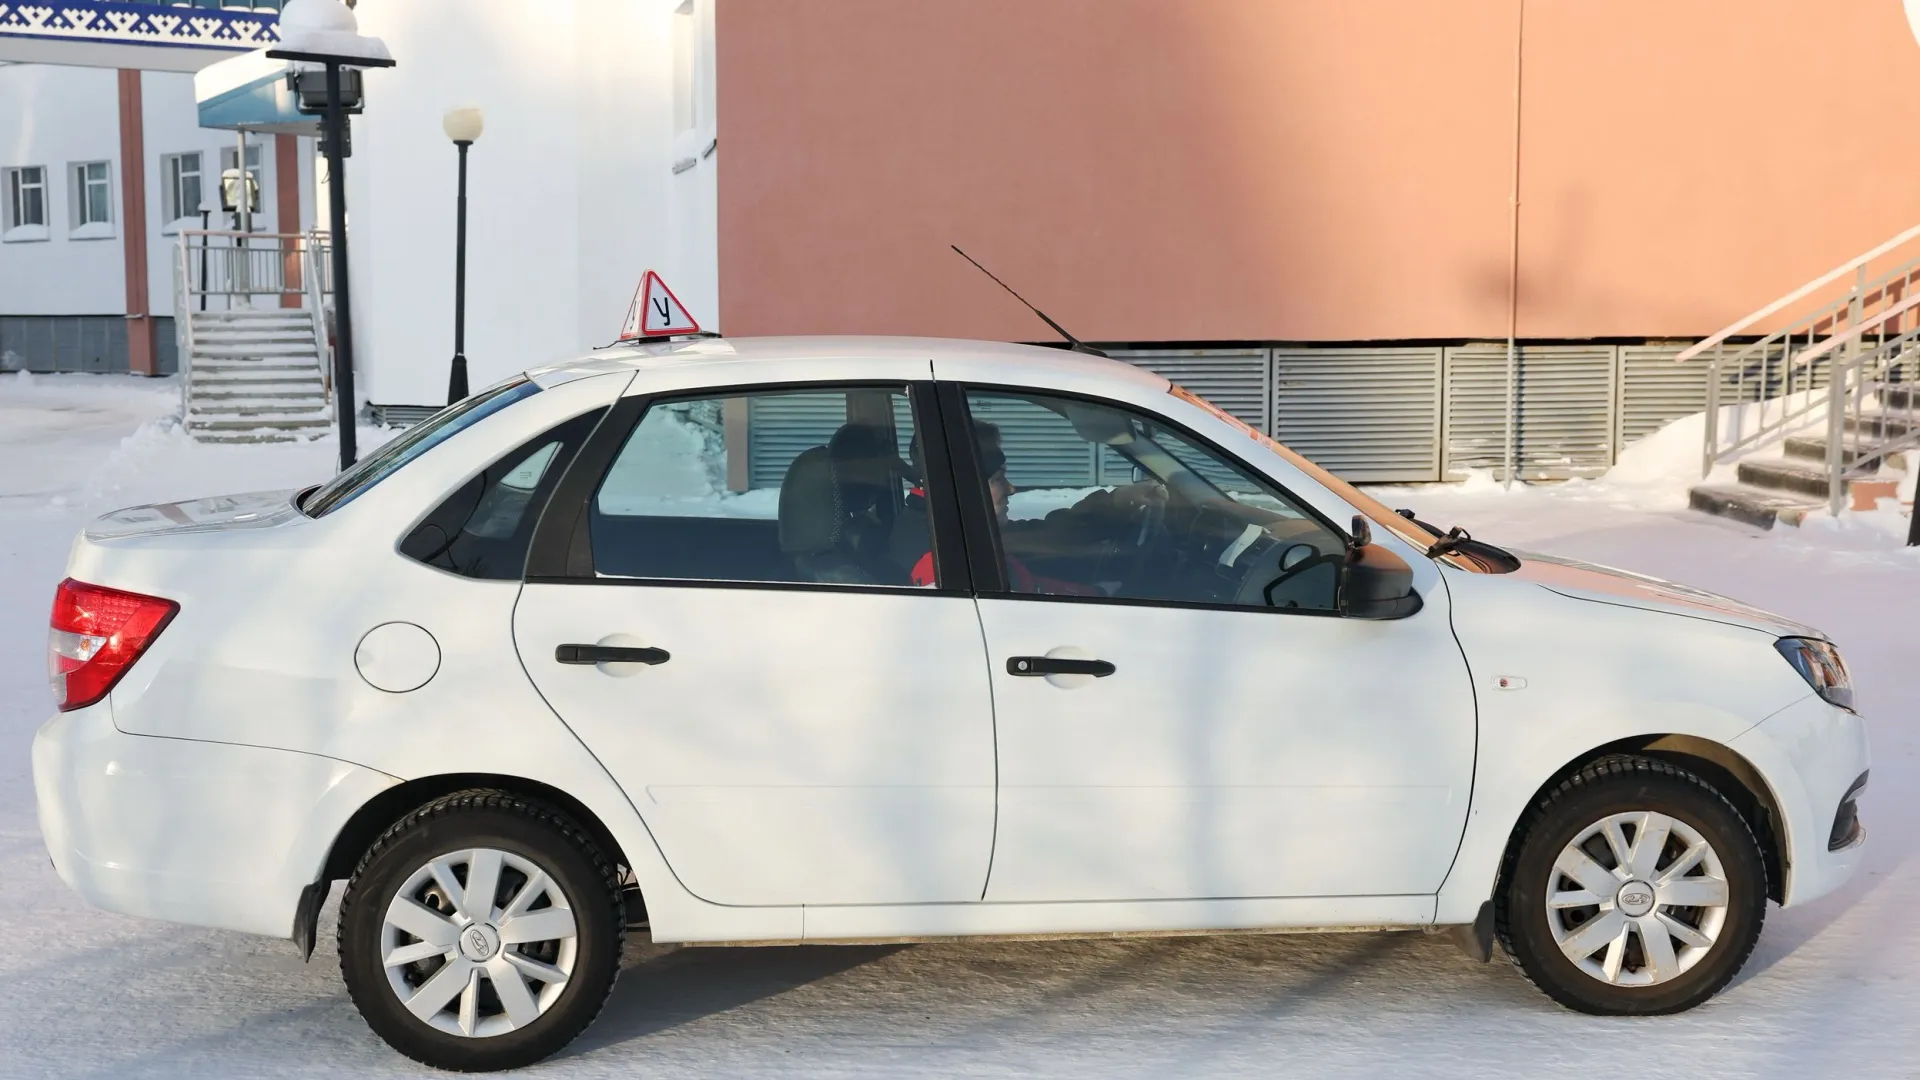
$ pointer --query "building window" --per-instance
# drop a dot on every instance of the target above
(26, 204)
(180, 190)
(92, 199)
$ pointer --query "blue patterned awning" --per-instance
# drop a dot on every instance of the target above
(129, 33)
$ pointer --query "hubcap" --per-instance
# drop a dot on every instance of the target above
(1637, 899)
(479, 942)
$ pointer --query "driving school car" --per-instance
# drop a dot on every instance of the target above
(840, 640)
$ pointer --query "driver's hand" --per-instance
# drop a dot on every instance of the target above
(1144, 495)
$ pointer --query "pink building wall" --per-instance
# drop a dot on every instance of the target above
(1301, 170)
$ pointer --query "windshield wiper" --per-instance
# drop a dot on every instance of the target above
(1450, 542)
(1457, 541)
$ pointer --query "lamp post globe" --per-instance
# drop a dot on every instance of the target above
(463, 125)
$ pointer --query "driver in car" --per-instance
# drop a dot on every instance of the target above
(1062, 532)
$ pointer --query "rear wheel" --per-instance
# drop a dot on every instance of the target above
(1637, 888)
(482, 931)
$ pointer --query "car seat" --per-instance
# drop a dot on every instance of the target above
(837, 509)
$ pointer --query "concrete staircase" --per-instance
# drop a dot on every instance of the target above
(1784, 488)
(254, 375)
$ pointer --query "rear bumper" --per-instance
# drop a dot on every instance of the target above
(205, 833)
(1811, 753)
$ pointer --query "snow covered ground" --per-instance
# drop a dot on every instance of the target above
(1833, 989)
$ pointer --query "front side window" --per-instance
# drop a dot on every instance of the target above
(812, 486)
(482, 530)
(180, 175)
(1094, 500)
(26, 197)
(92, 195)
(417, 440)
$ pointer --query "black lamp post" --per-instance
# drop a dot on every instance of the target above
(324, 32)
(463, 126)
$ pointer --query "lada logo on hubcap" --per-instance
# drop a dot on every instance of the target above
(477, 942)
(1636, 898)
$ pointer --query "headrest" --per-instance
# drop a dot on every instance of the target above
(810, 510)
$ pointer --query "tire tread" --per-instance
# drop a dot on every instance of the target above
(505, 802)
(1611, 768)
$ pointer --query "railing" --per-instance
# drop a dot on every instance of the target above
(1781, 376)
(1871, 396)
(218, 270)
(232, 269)
(182, 324)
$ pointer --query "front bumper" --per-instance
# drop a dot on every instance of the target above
(1811, 754)
(211, 834)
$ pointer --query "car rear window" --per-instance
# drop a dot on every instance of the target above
(417, 440)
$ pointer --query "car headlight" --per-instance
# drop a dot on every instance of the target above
(1819, 663)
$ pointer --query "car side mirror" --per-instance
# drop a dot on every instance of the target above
(1374, 582)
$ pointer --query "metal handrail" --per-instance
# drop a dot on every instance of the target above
(1801, 293)
(1892, 363)
(316, 291)
(1774, 372)
(182, 322)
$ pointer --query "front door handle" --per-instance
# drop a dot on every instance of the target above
(609, 654)
(1028, 666)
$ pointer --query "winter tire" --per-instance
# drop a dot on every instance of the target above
(1636, 888)
(480, 932)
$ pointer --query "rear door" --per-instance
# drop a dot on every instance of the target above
(746, 650)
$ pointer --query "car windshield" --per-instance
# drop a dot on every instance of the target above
(417, 440)
(1375, 510)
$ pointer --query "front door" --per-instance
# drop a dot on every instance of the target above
(1181, 713)
(796, 721)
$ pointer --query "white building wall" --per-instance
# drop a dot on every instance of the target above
(172, 127)
(570, 191)
(54, 116)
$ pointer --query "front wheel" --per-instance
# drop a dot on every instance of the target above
(480, 932)
(1637, 888)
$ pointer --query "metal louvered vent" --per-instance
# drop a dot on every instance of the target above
(781, 426)
(1565, 418)
(1655, 391)
(1041, 446)
(1362, 414)
(1239, 381)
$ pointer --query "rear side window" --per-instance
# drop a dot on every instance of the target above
(482, 530)
(417, 440)
(816, 486)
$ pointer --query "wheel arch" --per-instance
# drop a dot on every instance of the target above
(381, 811)
(1717, 763)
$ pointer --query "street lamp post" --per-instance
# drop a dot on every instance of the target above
(463, 126)
(324, 32)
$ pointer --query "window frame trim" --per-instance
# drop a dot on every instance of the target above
(562, 549)
(984, 535)
(17, 186)
(83, 195)
(171, 175)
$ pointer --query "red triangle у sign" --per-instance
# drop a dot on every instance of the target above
(656, 312)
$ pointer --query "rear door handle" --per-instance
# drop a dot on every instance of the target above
(1028, 666)
(609, 654)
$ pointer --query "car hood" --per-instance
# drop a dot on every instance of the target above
(1607, 585)
(252, 510)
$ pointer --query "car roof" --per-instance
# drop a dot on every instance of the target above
(978, 358)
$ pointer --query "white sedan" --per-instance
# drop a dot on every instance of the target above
(841, 640)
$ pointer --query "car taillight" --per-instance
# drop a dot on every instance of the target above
(96, 635)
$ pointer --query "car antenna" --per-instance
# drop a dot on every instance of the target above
(1074, 344)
